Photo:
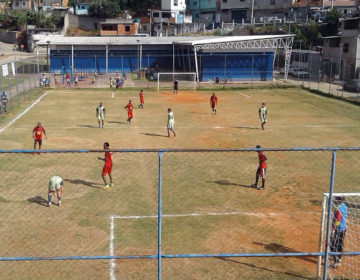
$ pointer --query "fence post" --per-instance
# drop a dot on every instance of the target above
(23, 75)
(159, 215)
(17, 81)
(10, 94)
(331, 64)
(29, 71)
(326, 258)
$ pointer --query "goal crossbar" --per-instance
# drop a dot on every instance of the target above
(176, 73)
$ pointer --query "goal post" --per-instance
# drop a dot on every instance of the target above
(186, 80)
(350, 266)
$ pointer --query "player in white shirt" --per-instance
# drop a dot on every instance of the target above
(171, 122)
(100, 114)
(263, 115)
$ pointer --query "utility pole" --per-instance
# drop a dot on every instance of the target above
(252, 12)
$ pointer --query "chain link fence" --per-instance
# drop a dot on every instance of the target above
(17, 78)
(175, 214)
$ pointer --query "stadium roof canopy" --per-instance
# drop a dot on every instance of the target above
(135, 40)
(271, 42)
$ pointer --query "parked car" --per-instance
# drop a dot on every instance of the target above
(352, 85)
(299, 73)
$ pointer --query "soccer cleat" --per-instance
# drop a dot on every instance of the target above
(106, 187)
(59, 202)
(49, 204)
(254, 186)
(111, 184)
(261, 188)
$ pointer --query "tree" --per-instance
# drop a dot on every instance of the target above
(331, 28)
(13, 21)
(107, 9)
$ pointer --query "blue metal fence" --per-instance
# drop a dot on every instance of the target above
(159, 256)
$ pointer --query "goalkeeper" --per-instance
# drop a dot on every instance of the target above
(338, 229)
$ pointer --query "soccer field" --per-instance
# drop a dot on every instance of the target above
(207, 197)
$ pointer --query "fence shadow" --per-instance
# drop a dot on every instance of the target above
(293, 275)
(227, 183)
(154, 134)
(39, 200)
(86, 126)
(83, 182)
(278, 248)
(117, 122)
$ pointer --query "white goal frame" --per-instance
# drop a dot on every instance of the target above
(176, 73)
(322, 225)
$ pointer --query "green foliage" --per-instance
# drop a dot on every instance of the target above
(107, 9)
(217, 32)
(332, 23)
(307, 35)
(13, 21)
(139, 8)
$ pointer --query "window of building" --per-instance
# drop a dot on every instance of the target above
(23, 3)
(272, 2)
(176, 3)
(166, 15)
(224, 1)
(346, 48)
(127, 28)
(17, 3)
(195, 3)
(155, 14)
(351, 24)
(144, 28)
(334, 43)
(109, 27)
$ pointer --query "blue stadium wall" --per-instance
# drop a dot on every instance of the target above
(237, 66)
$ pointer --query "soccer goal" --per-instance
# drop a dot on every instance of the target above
(185, 80)
(349, 268)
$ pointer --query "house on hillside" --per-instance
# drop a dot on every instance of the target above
(119, 27)
(205, 11)
(82, 8)
(303, 9)
(21, 5)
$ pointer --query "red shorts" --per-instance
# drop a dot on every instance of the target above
(213, 105)
(106, 170)
(262, 172)
(130, 115)
(38, 141)
(142, 101)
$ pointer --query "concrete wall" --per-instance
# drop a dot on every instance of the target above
(8, 37)
(83, 22)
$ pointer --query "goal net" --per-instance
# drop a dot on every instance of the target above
(348, 266)
(186, 81)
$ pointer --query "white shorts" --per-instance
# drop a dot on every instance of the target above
(263, 119)
(101, 117)
(170, 125)
(55, 183)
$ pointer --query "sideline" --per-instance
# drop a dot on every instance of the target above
(23, 113)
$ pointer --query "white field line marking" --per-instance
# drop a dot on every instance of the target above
(208, 127)
(23, 113)
(247, 96)
(111, 249)
(194, 215)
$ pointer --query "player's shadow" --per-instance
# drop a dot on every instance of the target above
(39, 200)
(116, 122)
(278, 248)
(201, 113)
(154, 134)
(253, 266)
(227, 183)
(247, 127)
(86, 126)
(83, 182)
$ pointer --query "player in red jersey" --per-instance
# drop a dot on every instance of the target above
(107, 166)
(141, 94)
(213, 102)
(261, 171)
(37, 135)
(129, 108)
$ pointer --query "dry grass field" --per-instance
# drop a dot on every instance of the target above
(285, 217)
